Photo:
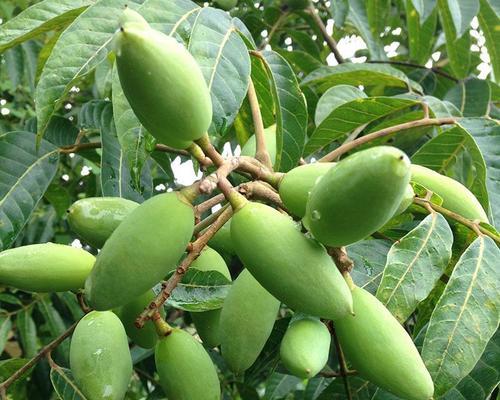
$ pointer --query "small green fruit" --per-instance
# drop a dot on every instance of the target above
(144, 248)
(456, 197)
(305, 347)
(250, 146)
(45, 267)
(95, 218)
(99, 356)
(294, 268)
(381, 350)
(185, 368)
(297, 183)
(358, 196)
(145, 337)
(207, 323)
(162, 82)
(226, 5)
(246, 321)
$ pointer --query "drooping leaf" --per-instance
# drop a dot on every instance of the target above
(466, 316)
(472, 97)
(424, 8)
(489, 21)
(291, 111)
(421, 37)
(64, 384)
(280, 385)
(25, 174)
(40, 17)
(414, 264)
(335, 97)
(200, 291)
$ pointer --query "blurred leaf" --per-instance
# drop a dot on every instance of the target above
(291, 111)
(489, 22)
(378, 12)
(279, 385)
(41, 17)
(200, 291)
(471, 97)
(462, 13)
(7, 368)
(424, 8)
(414, 265)
(339, 10)
(25, 175)
(26, 329)
(64, 385)
(421, 37)
(360, 389)
(59, 197)
(5, 327)
(440, 108)
(335, 97)
(301, 61)
(14, 62)
(55, 325)
(358, 16)
(60, 131)
(316, 386)
(465, 318)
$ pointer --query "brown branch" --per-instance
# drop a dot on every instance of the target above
(261, 152)
(210, 219)
(208, 204)
(330, 41)
(261, 191)
(385, 132)
(413, 65)
(473, 225)
(342, 362)
(195, 249)
(341, 259)
(337, 374)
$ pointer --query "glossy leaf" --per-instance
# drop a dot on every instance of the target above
(25, 174)
(414, 264)
(466, 316)
(359, 388)
(335, 97)
(64, 385)
(472, 97)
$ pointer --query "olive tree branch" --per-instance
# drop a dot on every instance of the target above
(330, 41)
(385, 132)
(261, 191)
(261, 152)
(473, 225)
(208, 204)
(194, 250)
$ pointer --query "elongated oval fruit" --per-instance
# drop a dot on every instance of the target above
(141, 251)
(246, 321)
(297, 183)
(99, 356)
(305, 347)
(221, 241)
(95, 218)
(358, 196)
(406, 201)
(162, 82)
(294, 268)
(207, 322)
(250, 146)
(47, 267)
(456, 197)
(145, 337)
(381, 351)
(185, 368)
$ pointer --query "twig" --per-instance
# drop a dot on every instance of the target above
(209, 220)
(198, 154)
(208, 204)
(385, 132)
(330, 41)
(337, 374)
(473, 225)
(273, 30)
(261, 152)
(413, 65)
(195, 249)
(342, 362)
(261, 191)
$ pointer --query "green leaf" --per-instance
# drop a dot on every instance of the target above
(359, 388)
(25, 174)
(369, 257)
(489, 22)
(359, 74)
(291, 111)
(466, 316)
(305, 42)
(414, 265)
(60, 131)
(316, 386)
(64, 384)
(472, 97)
(421, 37)
(200, 291)
(5, 327)
(455, 153)
(352, 116)
(457, 47)
(462, 13)
(483, 379)
(80, 48)
(440, 108)
(42, 17)
(339, 10)
(279, 385)
(55, 325)
(26, 329)
(377, 11)
(486, 133)
(7, 368)
(335, 97)
(301, 61)
(14, 63)
(424, 8)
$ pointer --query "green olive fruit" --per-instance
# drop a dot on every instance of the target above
(406, 201)
(185, 368)
(95, 218)
(250, 146)
(246, 322)
(297, 183)
(162, 82)
(226, 4)
(221, 241)
(47, 267)
(358, 196)
(207, 322)
(305, 347)
(144, 248)
(456, 197)
(294, 268)
(381, 350)
(145, 337)
(100, 358)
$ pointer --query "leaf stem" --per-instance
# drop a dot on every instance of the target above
(330, 41)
